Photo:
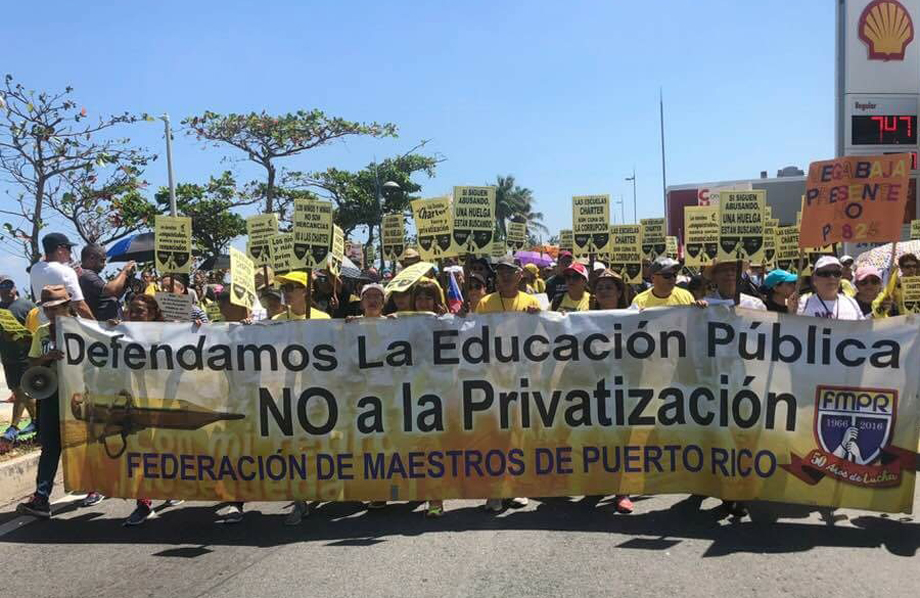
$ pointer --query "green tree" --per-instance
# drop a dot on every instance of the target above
(265, 139)
(513, 202)
(48, 143)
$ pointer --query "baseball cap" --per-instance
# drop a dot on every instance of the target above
(776, 277)
(54, 294)
(563, 254)
(270, 291)
(479, 278)
(295, 276)
(6, 281)
(52, 241)
(663, 263)
(372, 287)
(410, 253)
(864, 272)
(577, 268)
(846, 259)
(827, 261)
(532, 268)
(507, 261)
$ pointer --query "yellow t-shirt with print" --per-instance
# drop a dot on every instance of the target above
(495, 303)
(569, 304)
(678, 296)
(315, 314)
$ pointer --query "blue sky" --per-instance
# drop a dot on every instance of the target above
(563, 95)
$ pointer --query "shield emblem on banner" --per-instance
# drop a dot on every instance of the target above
(855, 424)
(694, 249)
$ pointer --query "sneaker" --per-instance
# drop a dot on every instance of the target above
(623, 504)
(494, 505)
(300, 510)
(139, 516)
(734, 508)
(435, 508)
(10, 434)
(518, 503)
(234, 515)
(377, 504)
(173, 502)
(37, 506)
(31, 428)
(93, 498)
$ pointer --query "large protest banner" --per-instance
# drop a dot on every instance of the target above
(718, 402)
(856, 199)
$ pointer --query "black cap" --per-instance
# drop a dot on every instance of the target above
(273, 291)
(52, 241)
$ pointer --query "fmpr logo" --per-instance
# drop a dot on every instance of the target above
(854, 428)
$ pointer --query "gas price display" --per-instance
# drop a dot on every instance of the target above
(885, 130)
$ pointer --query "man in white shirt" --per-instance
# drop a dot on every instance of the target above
(55, 270)
(725, 276)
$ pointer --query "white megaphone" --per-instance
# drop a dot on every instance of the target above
(39, 382)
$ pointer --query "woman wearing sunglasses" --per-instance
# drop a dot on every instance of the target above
(828, 300)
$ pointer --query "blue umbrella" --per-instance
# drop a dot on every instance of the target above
(138, 248)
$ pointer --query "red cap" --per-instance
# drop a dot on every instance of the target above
(564, 254)
(577, 268)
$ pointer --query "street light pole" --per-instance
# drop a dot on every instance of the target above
(633, 179)
(169, 167)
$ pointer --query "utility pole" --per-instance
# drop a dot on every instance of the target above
(664, 176)
(633, 179)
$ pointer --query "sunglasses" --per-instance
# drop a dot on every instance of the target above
(667, 275)
(476, 286)
(290, 287)
(909, 267)
(574, 277)
(7, 285)
(829, 274)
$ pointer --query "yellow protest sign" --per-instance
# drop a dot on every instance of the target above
(338, 243)
(626, 251)
(434, 222)
(261, 229)
(608, 402)
(910, 291)
(741, 225)
(787, 248)
(653, 238)
(701, 235)
(474, 219)
(566, 241)
(213, 311)
(590, 224)
(517, 235)
(11, 325)
(312, 233)
(394, 236)
(173, 244)
(407, 277)
(671, 247)
(282, 252)
(498, 249)
(914, 230)
(769, 242)
(242, 279)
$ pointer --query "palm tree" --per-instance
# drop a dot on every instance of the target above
(514, 202)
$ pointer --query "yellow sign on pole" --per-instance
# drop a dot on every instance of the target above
(654, 242)
(741, 225)
(517, 235)
(626, 251)
(769, 242)
(787, 248)
(498, 249)
(671, 247)
(173, 244)
(434, 223)
(701, 235)
(590, 224)
(312, 233)
(914, 230)
(566, 242)
(261, 229)
(474, 219)
(282, 253)
(394, 236)
(338, 243)
(910, 289)
(242, 279)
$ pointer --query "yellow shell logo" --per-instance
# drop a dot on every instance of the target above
(886, 27)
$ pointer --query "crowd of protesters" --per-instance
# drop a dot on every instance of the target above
(64, 288)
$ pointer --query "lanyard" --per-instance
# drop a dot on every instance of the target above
(826, 309)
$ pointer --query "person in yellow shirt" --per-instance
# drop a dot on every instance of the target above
(664, 291)
(294, 288)
(576, 297)
(531, 275)
(507, 297)
(890, 302)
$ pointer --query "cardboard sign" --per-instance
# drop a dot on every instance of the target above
(213, 311)
(914, 230)
(394, 236)
(282, 253)
(653, 238)
(566, 240)
(626, 251)
(242, 279)
(175, 308)
(741, 225)
(517, 235)
(769, 242)
(312, 233)
(12, 326)
(701, 234)
(671, 247)
(498, 249)
(857, 199)
(787, 248)
(173, 244)
(590, 224)
(474, 219)
(910, 291)
(434, 224)
(338, 243)
(261, 229)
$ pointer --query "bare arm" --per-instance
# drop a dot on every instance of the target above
(116, 286)
(83, 310)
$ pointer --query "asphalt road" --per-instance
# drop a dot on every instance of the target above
(553, 547)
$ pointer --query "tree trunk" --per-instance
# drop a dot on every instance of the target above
(270, 189)
(37, 221)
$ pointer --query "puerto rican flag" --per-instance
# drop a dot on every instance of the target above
(454, 296)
